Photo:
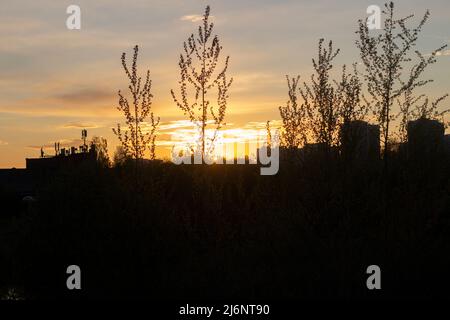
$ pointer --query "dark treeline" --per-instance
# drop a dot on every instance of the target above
(225, 231)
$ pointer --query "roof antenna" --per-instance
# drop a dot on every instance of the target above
(84, 137)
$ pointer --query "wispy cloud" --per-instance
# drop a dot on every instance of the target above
(192, 18)
(77, 124)
(439, 53)
(85, 95)
(259, 125)
(3, 143)
(443, 53)
(22, 25)
(84, 102)
(170, 125)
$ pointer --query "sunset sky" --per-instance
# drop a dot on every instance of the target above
(55, 82)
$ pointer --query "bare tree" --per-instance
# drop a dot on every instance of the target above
(294, 118)
(140, 134)
(198, 69)
(385, 56)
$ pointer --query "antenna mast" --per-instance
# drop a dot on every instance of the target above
(84, 137)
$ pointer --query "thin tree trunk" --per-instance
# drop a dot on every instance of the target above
(203, 103)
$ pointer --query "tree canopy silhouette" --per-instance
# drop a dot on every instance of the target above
(199, 69)
(138, 136)
(386, 56)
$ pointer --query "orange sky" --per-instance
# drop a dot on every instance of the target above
(55, 82)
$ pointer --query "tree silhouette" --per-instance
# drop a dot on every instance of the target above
(294, 118)
(198, 65)
(120, 156)
(385, 57)
(353, 105)
(326, 105)
(322, 98)
(416, 107)
(100, 146)
(137, 137)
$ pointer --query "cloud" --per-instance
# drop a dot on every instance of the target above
(192, 18)
(74, 103)
(247, 83)
(85, 95)
(439, 53)
(443, 53)
(260, 125)
(80, 125)
(3, 143)
(170, 125)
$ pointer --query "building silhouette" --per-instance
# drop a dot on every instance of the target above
(23, 184)
(66, 159)
(360, 140)
(425, 137)
(446, 143)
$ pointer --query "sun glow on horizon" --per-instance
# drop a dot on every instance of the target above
(230, 142)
